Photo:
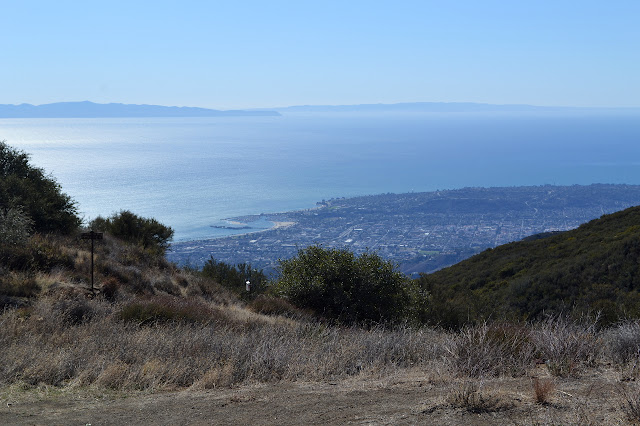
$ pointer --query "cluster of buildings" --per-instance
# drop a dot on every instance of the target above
(421, 232)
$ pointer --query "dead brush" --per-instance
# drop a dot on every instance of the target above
(622, 344)
(567, 344)
(18, 284)
(163, 284)
(542, 390)
(490, 349)
(468, 395)
(159, 309)
(198, 286)
(270, 305)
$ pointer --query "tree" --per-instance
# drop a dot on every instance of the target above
(146, 232)
(338, 285)
(38, 196)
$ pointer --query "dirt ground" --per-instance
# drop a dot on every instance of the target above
(409, 399)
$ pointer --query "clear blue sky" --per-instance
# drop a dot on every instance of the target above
(242, 54)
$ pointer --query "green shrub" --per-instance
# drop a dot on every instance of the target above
(234, 277)
(47, 253)
(148, 233)
(338, 285)
(35, 194)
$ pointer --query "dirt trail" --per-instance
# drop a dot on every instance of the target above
(399, 401)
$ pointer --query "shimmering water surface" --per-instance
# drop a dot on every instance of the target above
(191, 173)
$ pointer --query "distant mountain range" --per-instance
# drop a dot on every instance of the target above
(442, 107)
(88, 109)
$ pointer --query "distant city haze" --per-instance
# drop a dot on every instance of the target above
(265, 54)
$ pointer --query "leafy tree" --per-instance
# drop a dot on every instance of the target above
(36, 195)
(341, 286)
(146, 232)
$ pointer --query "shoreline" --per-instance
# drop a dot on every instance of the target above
(276, 225)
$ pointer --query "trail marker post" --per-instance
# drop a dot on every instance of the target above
(92, 236)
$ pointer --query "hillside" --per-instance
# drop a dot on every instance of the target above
(589, 269)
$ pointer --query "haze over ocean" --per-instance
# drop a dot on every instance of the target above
(190, 173)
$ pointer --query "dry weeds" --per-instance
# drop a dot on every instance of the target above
(154, 327)
(69, 343)
(470, 396)
(542, 390)
(168, 342)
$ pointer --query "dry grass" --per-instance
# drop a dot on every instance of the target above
(169, 342)
(630, 394)
(69, 340)
(153, 327)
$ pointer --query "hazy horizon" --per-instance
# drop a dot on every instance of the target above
(280, 107)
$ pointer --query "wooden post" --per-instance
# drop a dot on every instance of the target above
(92, 236)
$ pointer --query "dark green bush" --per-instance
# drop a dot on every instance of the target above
(148, 233)
(337, 285)
(234, 277)
(35, 194)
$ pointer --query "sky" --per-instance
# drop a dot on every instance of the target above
(276, 53)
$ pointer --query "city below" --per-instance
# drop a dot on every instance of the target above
(420, 232)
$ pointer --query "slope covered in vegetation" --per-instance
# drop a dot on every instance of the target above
(594, 268)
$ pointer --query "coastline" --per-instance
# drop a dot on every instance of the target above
(276, 225)
(245, 231)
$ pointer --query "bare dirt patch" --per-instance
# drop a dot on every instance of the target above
(408, 399)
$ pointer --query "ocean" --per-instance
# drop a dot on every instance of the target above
(193, 173)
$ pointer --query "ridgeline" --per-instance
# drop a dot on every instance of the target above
(591, 269)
